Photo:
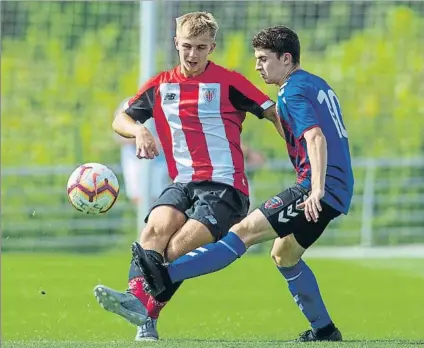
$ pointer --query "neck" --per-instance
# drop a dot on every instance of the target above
(187, 73)
(287, 74)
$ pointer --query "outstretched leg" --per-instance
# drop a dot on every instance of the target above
(210, 257)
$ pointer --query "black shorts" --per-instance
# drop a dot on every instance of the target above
(218, 206)
(285, 219)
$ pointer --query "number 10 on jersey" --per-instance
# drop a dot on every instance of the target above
(331, 99)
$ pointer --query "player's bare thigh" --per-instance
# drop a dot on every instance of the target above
(164, 221)
(254, 229)
(192, 235)
(286, 252)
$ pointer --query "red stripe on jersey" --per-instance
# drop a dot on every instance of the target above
(304, 167)
(164, 133)
(193, 131)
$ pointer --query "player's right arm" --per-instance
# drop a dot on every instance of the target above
(125, 126)
(271, 115)
(129, 121)
(123, 140)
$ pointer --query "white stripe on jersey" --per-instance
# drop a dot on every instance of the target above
(170, 101)
(209, 110)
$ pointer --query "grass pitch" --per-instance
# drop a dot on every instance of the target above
(375, 303)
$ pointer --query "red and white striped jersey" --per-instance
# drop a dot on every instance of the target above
(198, 121)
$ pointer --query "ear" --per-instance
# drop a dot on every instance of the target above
(176, 43)
(287, 58)
(212, 47)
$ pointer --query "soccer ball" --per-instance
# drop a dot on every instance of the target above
(93, 188)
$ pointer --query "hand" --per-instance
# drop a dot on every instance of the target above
(146, 144)
(312, 205)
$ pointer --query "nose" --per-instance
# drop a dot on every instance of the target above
(257, 67)
(192, 53)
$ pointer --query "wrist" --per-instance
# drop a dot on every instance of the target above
(317, 188)
(138, 129)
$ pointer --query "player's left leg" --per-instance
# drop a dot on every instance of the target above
(216, 205)
(302, 284)
(191, 236)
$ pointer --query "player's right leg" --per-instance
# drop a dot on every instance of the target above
(210, 257)
(276, 216)
(166, 217)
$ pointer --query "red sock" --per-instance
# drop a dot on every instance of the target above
(154, 307)
(136, 288)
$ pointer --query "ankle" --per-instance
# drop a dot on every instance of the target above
(154, 307)
(135, 287)
(324, 331)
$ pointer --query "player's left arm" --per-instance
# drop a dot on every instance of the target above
(247, 97)
(316, 145)
(306, 126)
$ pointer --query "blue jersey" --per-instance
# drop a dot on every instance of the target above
(306, 101)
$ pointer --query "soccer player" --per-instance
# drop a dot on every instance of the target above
(318, 147)
(198, 108)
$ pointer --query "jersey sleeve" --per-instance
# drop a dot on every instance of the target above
(302, 112)
(140, 107)
(245, 96)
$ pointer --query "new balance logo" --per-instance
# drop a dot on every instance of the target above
(170, 96)
(211, 219)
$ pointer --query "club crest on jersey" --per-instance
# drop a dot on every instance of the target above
(209, 94)
(273, 203)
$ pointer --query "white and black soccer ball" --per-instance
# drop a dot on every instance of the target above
(93, 188)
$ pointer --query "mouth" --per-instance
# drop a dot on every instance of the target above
(192, 64)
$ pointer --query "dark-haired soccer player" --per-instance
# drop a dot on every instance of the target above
(318, 147)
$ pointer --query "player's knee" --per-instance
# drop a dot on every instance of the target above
(244, 231)
(284, 260)
(151, 232)
(172, 251)
(254, 229)
(285, 252)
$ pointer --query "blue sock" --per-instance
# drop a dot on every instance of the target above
(207, 259)
(304, 288)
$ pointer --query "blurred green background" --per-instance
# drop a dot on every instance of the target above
(67, 65)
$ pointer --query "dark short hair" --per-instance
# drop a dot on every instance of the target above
(280, 40)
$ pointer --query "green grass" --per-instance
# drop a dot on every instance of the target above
(376, 303)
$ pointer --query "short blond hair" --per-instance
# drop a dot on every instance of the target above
(197, 23)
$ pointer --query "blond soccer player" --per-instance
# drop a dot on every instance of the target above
(198, 108)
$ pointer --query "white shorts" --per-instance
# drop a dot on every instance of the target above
(133, 174)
